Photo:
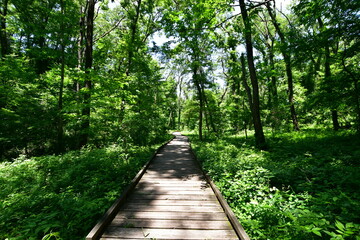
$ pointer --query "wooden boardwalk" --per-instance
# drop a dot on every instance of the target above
(172, 200)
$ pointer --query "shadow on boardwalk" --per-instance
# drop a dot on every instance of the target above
(171, 201)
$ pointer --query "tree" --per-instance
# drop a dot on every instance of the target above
(60, 137)
(255, 100)
(335, 25)
(334, 112)
(286, 55)
(4, 41)
(85, 126)
(190, 23)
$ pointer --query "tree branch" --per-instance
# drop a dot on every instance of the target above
(109, 31)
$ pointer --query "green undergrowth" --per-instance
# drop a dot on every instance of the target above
(62, 197)
(307, 186)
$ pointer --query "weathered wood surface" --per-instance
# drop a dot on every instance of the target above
(172, 200)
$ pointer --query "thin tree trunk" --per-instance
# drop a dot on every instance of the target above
(179, 103)
(288, 67)
(357, 101)
(207, 122)
(209, 113)
(275, 98)
(60, 133)
(235, 89)
(133, 36)
(334, 113)
(201, 117)
(246, 85)
(356, 93)
(259, 134)
(201, 100)
(4, 42)
(88, 65)
(80, 43)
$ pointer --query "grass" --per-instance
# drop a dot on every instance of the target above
(305, 187)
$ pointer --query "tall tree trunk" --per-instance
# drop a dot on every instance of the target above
(60, 132)
(357, 102)
(212, 124)
(246, 85)
(133, 29)
(80, 50)
(356, 92)
(334, 113)
(201, 110)
(88, 65)
(273, 91)
(288, 67)
(179, 103)
(201, 100)
(4, 42)
(259, 134)
(235, 88)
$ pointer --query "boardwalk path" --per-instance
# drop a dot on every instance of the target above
(171, 201)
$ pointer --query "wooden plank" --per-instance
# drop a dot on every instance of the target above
(172, 224)
(99, 228)
(173, 178)
(186, 202)
(171, 163)
(179, 174)
(179, 165)
(172, 215)
(173, 169)
(172, 183)
(172, 187)
(147, 208)
(115, 238)
(168, 233)
(172, 192)
(201, 197)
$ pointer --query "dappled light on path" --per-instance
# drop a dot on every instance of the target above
(172, 201)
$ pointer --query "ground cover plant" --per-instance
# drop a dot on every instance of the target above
(62, 197)
(306, 186)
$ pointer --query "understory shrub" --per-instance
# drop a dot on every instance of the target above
(301, 189)
(62, 197)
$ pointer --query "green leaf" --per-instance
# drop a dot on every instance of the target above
(317, 231)
(339, 225)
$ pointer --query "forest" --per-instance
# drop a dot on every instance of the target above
(267, 90)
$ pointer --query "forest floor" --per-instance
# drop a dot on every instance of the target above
(62, 197)
(305, 187)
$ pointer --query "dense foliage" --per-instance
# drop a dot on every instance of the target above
(306, 187)
(77, 75)
(57, 95)
(64, 196)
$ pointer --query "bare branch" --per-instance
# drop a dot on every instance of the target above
(259, 4)
(110, 30)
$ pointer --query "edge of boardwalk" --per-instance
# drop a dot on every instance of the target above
(110, 214)
(239, 229)
(107, 218)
